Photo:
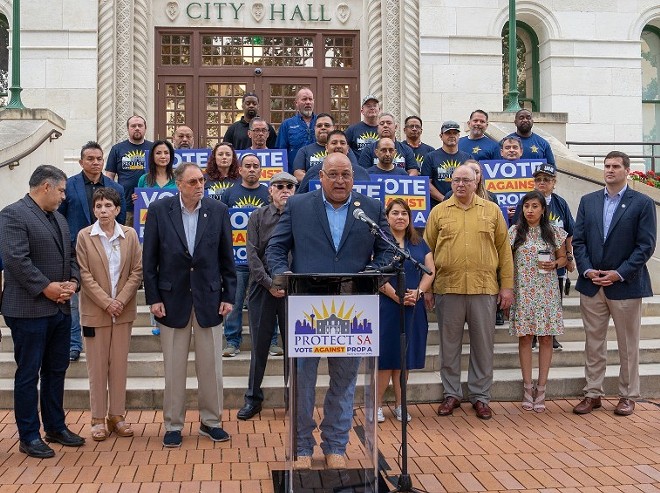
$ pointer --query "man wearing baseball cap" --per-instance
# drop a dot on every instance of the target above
(365, 132)
(266, 302)
(439, 165)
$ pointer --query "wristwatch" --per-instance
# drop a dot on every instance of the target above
(569, 256)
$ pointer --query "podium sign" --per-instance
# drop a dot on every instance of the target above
(337, 326)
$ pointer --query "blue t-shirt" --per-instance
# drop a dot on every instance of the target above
(240, 196)
(375, 170)
(127, 160)
(483, 148)
(360, 135)
(440, 166)
(419, 152)
(359, 174)
(559, 215)
(216, 188)
(535, 147)
(403, 158)
(295, 133)
(313, 154)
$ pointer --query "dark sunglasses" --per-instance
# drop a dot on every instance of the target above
(280, 186)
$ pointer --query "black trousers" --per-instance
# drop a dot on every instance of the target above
(264, 310)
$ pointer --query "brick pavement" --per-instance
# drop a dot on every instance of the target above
(556, 451)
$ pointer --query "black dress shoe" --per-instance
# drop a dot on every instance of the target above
(36, 448)
(65, 437)
(74, 355)
(248, 411)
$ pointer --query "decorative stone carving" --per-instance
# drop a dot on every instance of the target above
(374, 50)
(391, 54)
(105, 134)
(343, 12)
(172, 10)
(123, 72)
(410, 85)
(258, 11)
(141, 59)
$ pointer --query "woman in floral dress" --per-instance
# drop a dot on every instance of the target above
(537, 306)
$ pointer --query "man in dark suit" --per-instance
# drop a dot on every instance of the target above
(614, 237)
(190, 282)
(77, 209)
(41, 274)
(320, 232)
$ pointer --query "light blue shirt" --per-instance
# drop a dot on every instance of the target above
(190, 224)
(609, 208)
(336, 218)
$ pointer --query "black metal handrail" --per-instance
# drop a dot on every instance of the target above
(653, 156)
(13, 162)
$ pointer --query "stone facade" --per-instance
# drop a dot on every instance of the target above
(92, 61)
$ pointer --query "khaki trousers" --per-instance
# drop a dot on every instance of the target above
(627, 317)
(208, 367)
(107, 362)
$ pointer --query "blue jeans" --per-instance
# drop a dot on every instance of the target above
(41, 350)
(76, 336)
(234, 322)
(337, 406)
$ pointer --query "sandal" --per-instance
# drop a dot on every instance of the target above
(528, 397)
(119, 426)
(99, 433)
(539, 402)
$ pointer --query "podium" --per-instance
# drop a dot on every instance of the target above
(332, 342)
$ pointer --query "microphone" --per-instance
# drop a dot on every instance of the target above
(359, 214)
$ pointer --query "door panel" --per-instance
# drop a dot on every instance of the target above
(174, 96)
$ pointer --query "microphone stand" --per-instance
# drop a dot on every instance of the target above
(400, 256)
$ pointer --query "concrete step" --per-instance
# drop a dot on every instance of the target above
(423, 386)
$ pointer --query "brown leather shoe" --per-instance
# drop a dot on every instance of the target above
(625, 407)
(587, 405)
(483, 410)
(447, 406)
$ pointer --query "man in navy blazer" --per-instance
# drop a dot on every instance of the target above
(190, 283)
(77, 209)
(613, 239)
(320, 232)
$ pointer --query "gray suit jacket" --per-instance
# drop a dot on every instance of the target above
(33, 258)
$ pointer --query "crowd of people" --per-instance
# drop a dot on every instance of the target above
(71, 259)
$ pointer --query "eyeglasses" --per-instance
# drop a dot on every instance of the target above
(259, 130)
(336, 176)
(463, 181)
(195, 181)
(281, 186)
(543, 179)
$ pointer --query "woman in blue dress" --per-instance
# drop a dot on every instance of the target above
(399, 217)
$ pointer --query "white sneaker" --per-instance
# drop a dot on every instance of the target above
(381, 416)
(397, 414)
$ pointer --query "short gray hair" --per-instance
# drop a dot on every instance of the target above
(181, 169)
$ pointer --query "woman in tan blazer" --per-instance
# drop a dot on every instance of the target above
(110, 261)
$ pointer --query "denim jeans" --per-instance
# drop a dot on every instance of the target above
(234, 322)
(337, 406)
(76, 336)
(41, 349)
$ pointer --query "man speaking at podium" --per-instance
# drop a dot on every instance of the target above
(320, 232)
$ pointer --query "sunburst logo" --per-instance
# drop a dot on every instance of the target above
(333, 321)
(133, 161)
(220, 185)
(319, 155)
(447, 169)
(366, 138)
(249, 201)
(555, 220)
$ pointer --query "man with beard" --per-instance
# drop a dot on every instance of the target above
(183, 138)
(249, 193)
(413, 130)
(534, 146)
(385, 152)
(126, 161)
(439, 165)
(313, 154)
(404, 157)
(476, 142)
(337, 142)
(365, 132)
(237, 133)
(298, 131)
(266, 301)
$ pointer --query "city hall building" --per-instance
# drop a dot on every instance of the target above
(97, 62)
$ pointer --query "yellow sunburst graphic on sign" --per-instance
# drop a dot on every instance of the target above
(323, 313)
(133, 160)
(248, 201)
(369, 136)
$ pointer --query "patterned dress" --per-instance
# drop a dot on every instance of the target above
(536, 309)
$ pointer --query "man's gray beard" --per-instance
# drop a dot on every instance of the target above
(307, 113)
